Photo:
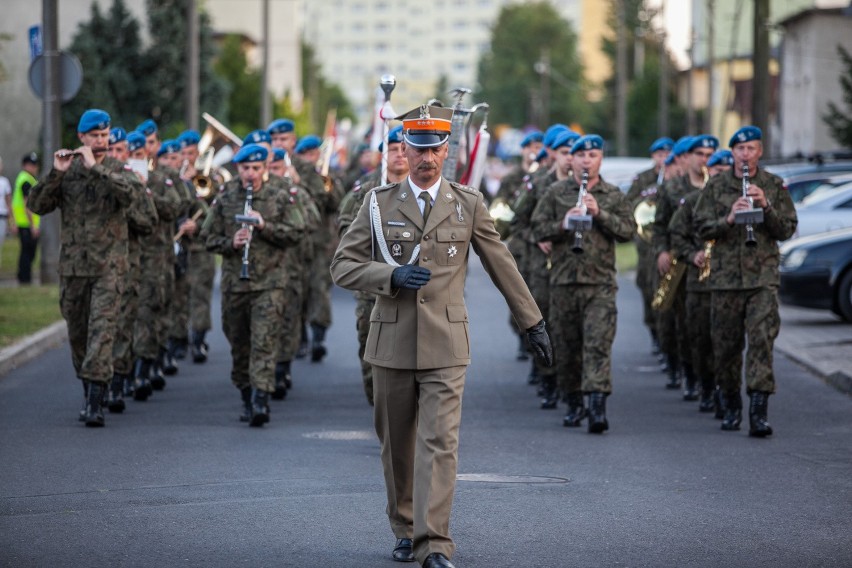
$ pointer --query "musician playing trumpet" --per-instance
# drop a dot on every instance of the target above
(583, 286)
(744, 280)
(252, 307)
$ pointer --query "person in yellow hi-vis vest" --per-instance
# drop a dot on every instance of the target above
(26, 221)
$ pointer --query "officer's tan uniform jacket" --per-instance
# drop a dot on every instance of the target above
(427, 328)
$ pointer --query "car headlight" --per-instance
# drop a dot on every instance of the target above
(795, 259)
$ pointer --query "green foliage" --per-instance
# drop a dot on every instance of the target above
(25, 310)
(321, 95)
(839, 122)
(245, 85)
(507, 75)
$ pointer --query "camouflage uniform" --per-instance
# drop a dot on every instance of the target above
(686, 244)
(252, 310)
(647, 278)
(93, 256)
(178, 304)
(744, 280)
(583, 286)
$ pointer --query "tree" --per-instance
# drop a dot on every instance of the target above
(508, 78)
(840, 123)
(322, 96)
(244, 86)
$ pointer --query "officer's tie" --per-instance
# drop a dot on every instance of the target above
(427, 204)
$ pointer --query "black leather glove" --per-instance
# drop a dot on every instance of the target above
(410, 276)
(540, 342)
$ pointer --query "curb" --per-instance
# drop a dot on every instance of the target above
(32, 346)
(839, 380)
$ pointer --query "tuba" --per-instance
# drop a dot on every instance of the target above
(216, 148)
(646, 210)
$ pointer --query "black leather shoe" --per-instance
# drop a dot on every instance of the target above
(576, 410)
(318, 350)
(158, 378)
(245, 394)
(94, 412)
(404, 550)
(179, 351)
(674, 373)
(437, 560)
(733, 411)
(757, 415)
(142, 388)
(167, 362)
(259, 408)
(598, 423)
(115, 396)
(198, 347)
(550, 395)
(282, 374)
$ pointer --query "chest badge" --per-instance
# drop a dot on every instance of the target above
(459, 211)
(452, 251)
(396, 250)
(406, 234)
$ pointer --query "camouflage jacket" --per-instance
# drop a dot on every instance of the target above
(299, 257)
(668, 201)
(167, 201)
(352, 201)
(639, 189)
(285, 227)
(614, 223)
(327, 199)
(733, 265)
(94, 204)
(511, 183)
(685, 241)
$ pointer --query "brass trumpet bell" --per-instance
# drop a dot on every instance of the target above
(502, 215)
(644, 214)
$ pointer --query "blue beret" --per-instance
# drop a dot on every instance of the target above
(745, 134)
(93, 119)
(542, 154)
(721, 158)
(682, 145)
(309, 142)
(703, 141)
(664, 143)
(169, 147)
(565, 138)
(189, 138)
(278, 154)
(135, 140)
(394, 137)
(588, 142)
(251, 153)
(551, 133)
(117, 134)
(257, 137)
(280, 126)
(535, 136)
(669, 159)
(147, 128)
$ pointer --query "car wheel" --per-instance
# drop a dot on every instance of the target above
(844, 296)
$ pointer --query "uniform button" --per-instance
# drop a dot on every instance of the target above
(426, 238)
(422, 300)
(425, 259)
(453, 236)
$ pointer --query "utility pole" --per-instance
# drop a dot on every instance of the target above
(690, 84)
(51, 137)
(711, 66)
(760, 80)
(545, 87)
(621, 82)
(192, 66)
(265, 103)
(663, 90)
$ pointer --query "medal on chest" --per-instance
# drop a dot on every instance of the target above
(452, 251)
(396, 250)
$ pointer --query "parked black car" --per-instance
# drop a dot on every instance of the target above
(816, 272)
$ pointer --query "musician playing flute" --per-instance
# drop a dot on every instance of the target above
(744, 279)
(254, 279)
(94, 193)
(582, 284)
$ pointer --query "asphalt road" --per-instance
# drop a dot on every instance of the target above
(178, 481)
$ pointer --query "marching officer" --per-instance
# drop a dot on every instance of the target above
(744, 276)
(582, 280)
(254, 274)
(409, 245)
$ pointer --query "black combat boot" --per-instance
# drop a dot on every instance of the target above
(655, 344)
(142, 388)
(576, 410)
(673, 370)
(534, 378)
(167, 362)
(179, 350)
(115, 396)
(522, 350)
(718, 404)
(158, 378)
(94, 412)
(549, 393)
(757, 415)
(245, 394)
(82, 417)
(128, 387)
(318, 349)
(690, 390)
(259, 407)
(733, 404)
(282, 378)
(597, 413)
(706, 403)
(198, 347)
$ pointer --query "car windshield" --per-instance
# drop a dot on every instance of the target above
(824, 191)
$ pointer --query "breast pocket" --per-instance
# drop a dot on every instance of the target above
(382, 335)
(400, 241)
(451, 244)
(457, 316)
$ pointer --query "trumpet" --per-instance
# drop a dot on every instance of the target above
(750, 216)
(583, 222)
(704, 271)
(248, 222)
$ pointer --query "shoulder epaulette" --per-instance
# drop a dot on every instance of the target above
(385, 187)
(466, 188)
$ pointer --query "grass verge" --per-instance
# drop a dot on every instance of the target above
(25, 310)
(625, 257)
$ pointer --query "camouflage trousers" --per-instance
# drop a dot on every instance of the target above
(319, 292)
(200, 276)
(647, 280)
(179, 308)
(363, 308)
(90, 307)
(155, 286)
(700, 328)
(538, 281)
(122, 348)
(671, 328)
(252, 323)
(741, 314)
(291, 334)
(584, 326)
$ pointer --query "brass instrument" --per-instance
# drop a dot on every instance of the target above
(215, 150)
(583, 222)
(646, 210)
(748, 217)
(666, 292)
(503, 216)
(704, 272)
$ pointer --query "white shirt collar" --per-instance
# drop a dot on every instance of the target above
(433, 189)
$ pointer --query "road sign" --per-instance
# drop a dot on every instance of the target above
(70, 76)
(36, 44)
